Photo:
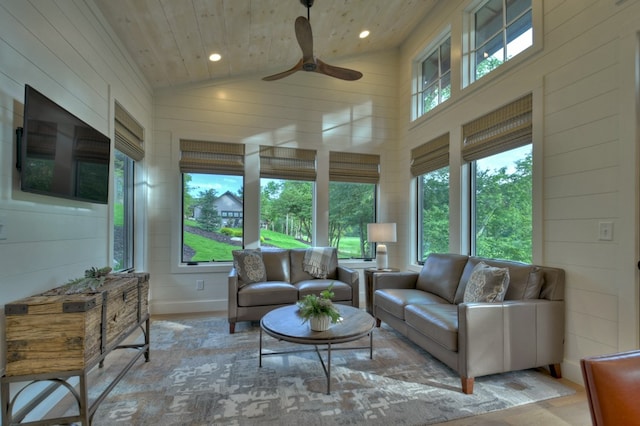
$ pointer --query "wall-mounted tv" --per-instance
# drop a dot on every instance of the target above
(59, 154)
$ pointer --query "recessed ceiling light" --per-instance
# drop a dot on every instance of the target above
(215, 57)
(364, 34)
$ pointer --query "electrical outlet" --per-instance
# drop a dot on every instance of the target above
(3, 230)
(199, 284)
(605, 231)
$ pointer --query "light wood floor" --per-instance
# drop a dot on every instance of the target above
(568, 411)
(571, 410)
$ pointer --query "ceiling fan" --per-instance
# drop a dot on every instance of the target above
(308, 62)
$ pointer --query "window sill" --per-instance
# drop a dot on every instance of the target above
(201, 268)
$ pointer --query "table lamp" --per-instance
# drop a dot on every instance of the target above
(381, 233)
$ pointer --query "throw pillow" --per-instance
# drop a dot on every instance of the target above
(486, 284)
(249, 265)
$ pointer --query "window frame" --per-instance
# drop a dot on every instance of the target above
(468, 79)
(419, 208)
(129, 208)
(371, 246)
(472, 194)
(418, 77)
(181, 259)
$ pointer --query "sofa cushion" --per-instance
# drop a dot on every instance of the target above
(297, 268)
(528, 287)
(267, 293)
(249, 265)
(441, 274)
(438, 321)
(486, 284)
(393, 300)
(277, 263)
(341, 291)
(525, 280)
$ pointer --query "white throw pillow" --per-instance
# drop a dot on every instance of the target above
(486, 284)
(249, 265)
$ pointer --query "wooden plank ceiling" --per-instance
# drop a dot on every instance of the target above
(171, 40)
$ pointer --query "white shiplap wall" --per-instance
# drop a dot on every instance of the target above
(64, 50)
(305, 110)
(585, 155)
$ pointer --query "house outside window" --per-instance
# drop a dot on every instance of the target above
(212, 200)
(433, 79)
(498, 31)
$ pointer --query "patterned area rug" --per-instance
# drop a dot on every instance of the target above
(201, 375)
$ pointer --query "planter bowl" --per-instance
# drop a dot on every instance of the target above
(320, 323)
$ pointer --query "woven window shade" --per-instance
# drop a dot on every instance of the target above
(501, 130)
(129, 134)
(353, 167)
(430, 156)
(278, 162)
(211, 157)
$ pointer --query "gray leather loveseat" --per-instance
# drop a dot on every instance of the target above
(286, 282)
(525, 330)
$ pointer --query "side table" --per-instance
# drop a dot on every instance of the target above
(368, 283)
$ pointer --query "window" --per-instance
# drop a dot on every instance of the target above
(499, 149)
(353, 180)
(499, 30)
(287, 177)
(129, 137)
(502, 223)
(434, 78)
(212, 200)
(123, 175)
(430, 167)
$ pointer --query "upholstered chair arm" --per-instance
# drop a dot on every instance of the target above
(351, 277)
(394, 280)
(507, 336)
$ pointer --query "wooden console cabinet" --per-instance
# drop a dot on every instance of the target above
(56, 337)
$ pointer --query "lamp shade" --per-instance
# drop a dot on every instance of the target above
(381, 232)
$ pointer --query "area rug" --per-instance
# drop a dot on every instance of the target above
(199, 374)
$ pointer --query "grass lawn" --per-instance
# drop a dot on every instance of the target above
(206, 249)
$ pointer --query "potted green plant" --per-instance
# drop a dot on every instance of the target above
(319, 310)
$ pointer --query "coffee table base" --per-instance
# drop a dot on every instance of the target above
(326, 367)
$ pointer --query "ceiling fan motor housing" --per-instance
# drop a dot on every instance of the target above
(307, 3)
(309, 66)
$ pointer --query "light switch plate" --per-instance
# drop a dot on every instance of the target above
(3, 229)
(605, 231)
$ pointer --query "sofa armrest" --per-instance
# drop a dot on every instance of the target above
(232, 299)
(393, 280)
(507, 336)
(351, 277)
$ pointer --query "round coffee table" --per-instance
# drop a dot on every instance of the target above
(286, 324)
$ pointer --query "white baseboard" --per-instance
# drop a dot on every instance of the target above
(187, 307)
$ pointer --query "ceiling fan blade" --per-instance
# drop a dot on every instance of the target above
(296, 67)
(337, 72)
(305, 37)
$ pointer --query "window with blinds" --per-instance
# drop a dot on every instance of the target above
(212, 200)
(287, 163)
(430, 167)
(129, 148)
(498, 146)
(353, 180)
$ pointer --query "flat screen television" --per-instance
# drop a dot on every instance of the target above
(59, 154)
